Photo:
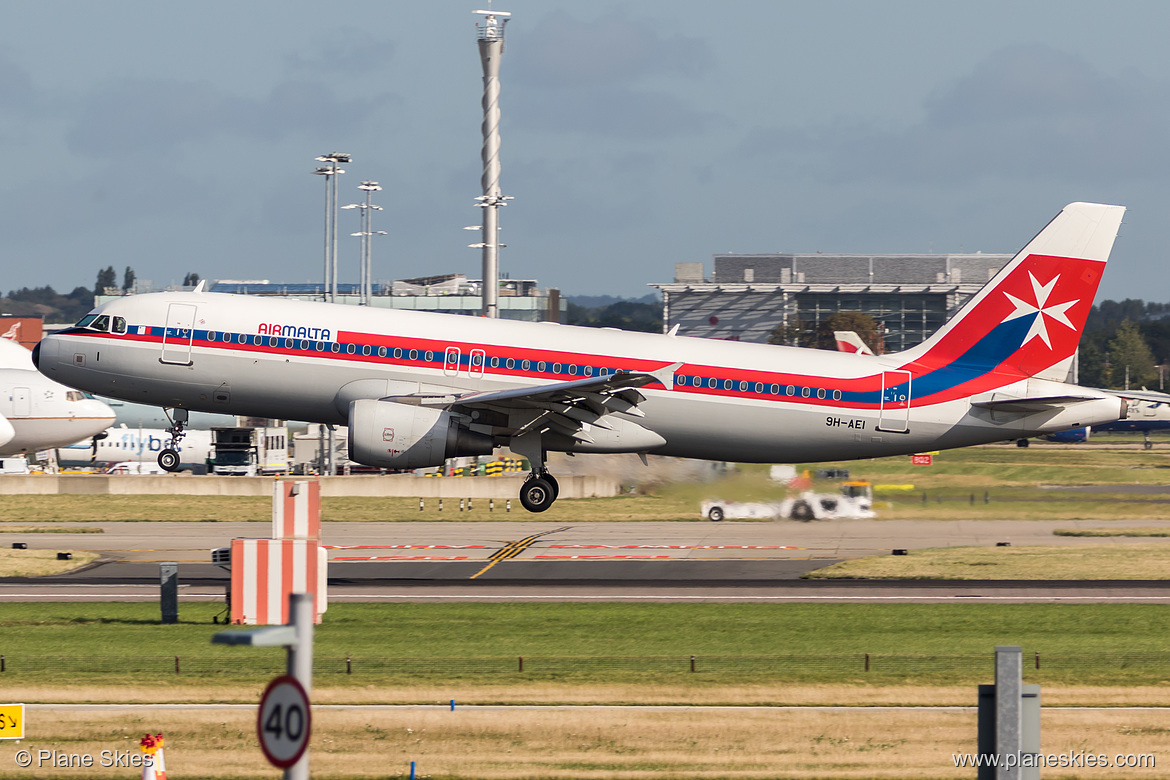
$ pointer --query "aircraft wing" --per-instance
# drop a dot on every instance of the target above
(566, 408)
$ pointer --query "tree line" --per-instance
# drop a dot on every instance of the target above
(52, 306)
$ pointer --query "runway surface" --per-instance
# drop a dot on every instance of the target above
(534, 561)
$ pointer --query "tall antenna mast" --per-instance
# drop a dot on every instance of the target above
(491, 50)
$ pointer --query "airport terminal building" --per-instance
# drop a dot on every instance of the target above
(519, 299)
(749, 295)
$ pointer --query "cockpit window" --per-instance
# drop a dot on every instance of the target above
(84, 321)
(119, 325)
(74, 395)
(102, 323)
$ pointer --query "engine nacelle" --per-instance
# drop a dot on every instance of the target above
(386, 434)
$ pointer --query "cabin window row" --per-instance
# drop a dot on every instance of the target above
(758, 387)
(475, 360)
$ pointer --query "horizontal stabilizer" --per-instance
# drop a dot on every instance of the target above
(1033, 405)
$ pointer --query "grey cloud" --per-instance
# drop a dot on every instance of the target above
(566, 53)
(352, 53)
(16, 90)
(1024, 113)
(156, 116)
(616, 112)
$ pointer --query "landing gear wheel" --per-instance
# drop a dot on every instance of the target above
(168, 460)
(802, 511)
(715, 515)
(536, 495)
(550, 479)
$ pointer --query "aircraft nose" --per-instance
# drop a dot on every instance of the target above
(100, 411)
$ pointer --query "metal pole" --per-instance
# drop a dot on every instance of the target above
(328, 211)
(367, 239)
(300, 663)
(491, 49)
(1008, 680)
(333, 239)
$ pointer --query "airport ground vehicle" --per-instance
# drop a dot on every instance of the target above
(248, 452)
(854, 500)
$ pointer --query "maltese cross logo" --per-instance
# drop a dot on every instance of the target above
(1041, 309)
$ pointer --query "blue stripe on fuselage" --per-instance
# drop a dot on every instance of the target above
(986, 354)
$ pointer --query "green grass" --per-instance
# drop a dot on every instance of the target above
(1021, 484)
(482, 642)
(1041, 562)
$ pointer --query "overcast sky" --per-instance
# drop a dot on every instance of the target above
(179, 137)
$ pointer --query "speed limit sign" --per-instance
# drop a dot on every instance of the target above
(284, 721)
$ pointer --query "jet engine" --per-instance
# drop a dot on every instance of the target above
(387, 434)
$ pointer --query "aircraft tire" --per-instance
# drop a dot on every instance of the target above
(556, 488)
(168, 460)
(715, 515)
(802, 511)
(536, 495)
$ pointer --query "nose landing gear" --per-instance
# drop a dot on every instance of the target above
(168, 459)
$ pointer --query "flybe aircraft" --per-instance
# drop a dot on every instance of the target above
(123, 444)
(416, 388)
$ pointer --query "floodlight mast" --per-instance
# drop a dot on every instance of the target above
(367, 234)
(491, 50)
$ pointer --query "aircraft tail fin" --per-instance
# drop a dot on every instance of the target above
(1029, 318)
(849, 341)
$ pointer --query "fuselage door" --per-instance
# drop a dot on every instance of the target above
(895, 411)
(180, 330)
(478, 358)
(21, 402)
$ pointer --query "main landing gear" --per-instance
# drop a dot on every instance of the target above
(539, 491)
(168, 459)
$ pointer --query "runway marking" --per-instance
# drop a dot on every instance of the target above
(512, 549)
(674, 547)
(405, 546)
(400, 558)
(720, 597)
(600, 557)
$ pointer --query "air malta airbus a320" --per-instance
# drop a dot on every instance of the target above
(417, 388)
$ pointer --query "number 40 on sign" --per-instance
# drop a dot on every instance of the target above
(284, 721)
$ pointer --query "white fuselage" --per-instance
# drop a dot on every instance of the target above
(123, 444)
(729, 401)
(37, 413)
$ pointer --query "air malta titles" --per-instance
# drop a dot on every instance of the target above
(294, 331)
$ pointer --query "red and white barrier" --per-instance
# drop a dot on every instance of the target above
(296, 509)
(265, 571)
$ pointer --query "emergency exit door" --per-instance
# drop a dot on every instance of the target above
(177, 336)
(895, 410)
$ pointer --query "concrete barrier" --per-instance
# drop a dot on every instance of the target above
(371, 486)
